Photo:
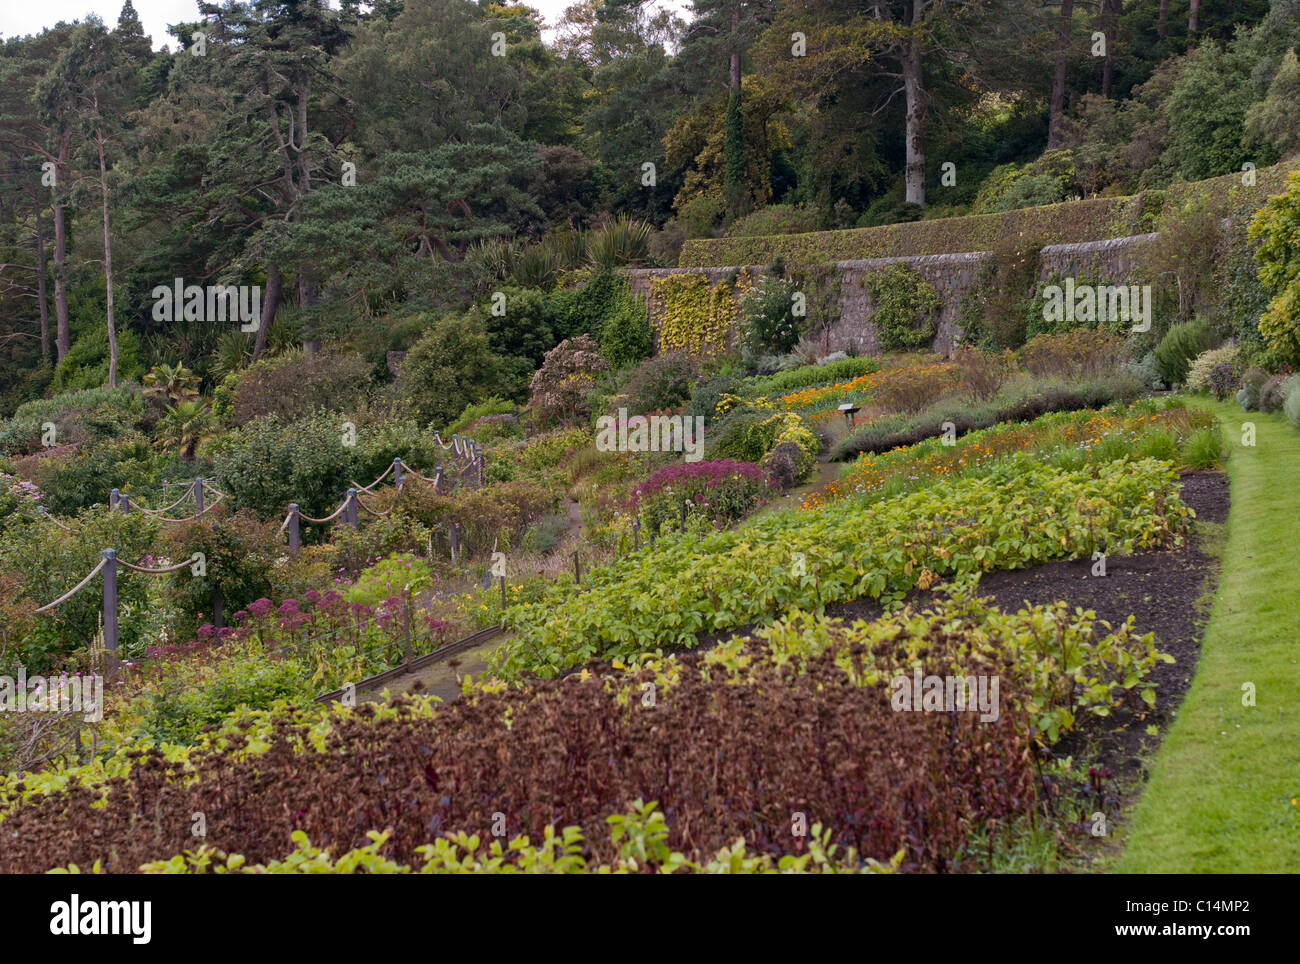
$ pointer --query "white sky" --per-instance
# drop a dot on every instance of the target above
(19, 17)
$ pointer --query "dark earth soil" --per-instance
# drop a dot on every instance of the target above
(1163, 591)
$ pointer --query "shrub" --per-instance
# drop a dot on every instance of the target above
(904, 307)
(1222, 380)
(723, 491)
(518, 323)
(388, 577)
(1291, 406)
(777, 219)
(706, 395)
(662, 383)
(767, 313)
(78, 416)
(1180, 346)
(1253, 383)
(267, 464)
(1146, 371)
(294, 385)
(560, 388)
(496, 515)
(806, 375)
(86, 363)
(1273, 394)
(238, 553)
(1198, 373)
(981, 373)
(449, 367)
(476, 410)
(1080, 353)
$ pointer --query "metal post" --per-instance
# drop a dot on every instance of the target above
(350, 513)
(110, 606)
(198, 495)
(397, 472)
(294, 539)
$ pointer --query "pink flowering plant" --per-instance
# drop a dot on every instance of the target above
(723, 491)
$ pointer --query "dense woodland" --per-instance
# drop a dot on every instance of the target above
(376, 168)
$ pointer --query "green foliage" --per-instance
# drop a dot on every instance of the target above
(451, 366)
(622, 241)
(1198, 373)
(238, 553)
(1093, 219)
(86, 363)
(1180, 346)
(777, 219)
(625, 334)
(842, 369)
(1020, 515)
(294, 385)
(490, 406)
(391, 576)
(267, 464)
(1291, 407)
(78, 416)
(661, 383)
(177, 712)
(88, 475)
(904, 307)
(1274, 229)
(767, 312)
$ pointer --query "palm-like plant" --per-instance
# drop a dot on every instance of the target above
(183, 427)
(621, 241)
(171, 384)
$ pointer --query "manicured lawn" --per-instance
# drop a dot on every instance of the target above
(1224, 787)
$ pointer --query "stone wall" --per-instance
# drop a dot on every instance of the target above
(954, 275)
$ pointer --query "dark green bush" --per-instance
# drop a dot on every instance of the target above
(1180, 346)
(267, 464)
(451, 366)
(662, 383)
(294, 385)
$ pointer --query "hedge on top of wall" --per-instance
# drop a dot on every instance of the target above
(1095, 219)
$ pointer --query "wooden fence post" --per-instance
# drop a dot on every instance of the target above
(397, 472)
(113, 498)
(350, 513)
(406, 628)
(110, 608)
(198, 495)
(295, 540)
(577, 571)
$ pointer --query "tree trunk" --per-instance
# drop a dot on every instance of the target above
(40, 285)
(1163, 23)
(1110, 11)
(1193, 17)
(1058, 78)
(270, 304)
(63, 336)
(108, 265)
(914, 95)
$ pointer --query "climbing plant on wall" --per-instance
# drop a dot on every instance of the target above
(696, 317)
(904, 306)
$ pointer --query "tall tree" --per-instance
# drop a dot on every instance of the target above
(43, 139)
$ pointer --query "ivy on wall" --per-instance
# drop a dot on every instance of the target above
(904, 307)
(696, 317)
